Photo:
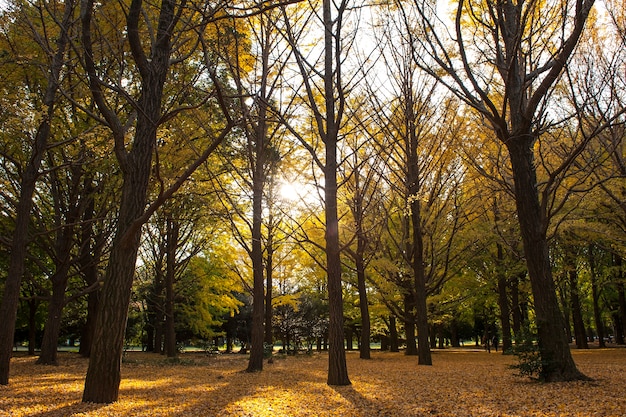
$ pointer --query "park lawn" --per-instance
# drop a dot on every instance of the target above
(462, 382)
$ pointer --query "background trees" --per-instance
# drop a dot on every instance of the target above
(285, 174)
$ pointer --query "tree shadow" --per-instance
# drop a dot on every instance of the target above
(70, 409)
(363, 405)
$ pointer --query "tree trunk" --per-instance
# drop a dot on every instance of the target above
(409, 325)
(90, 254)
(503, 302)
(411, 344)
(595, 294)
(33, 305)
(170, 271)
(337, 367)
(269, 265)
(421, 311)
(577, 317)
(558, 364)
(11, 294)
(52, 328)
(349, 334)
(364, 346)
(255, 362)
(621, 292)
(103, 375)
(394, 345)
(62, 250)
(516, 307)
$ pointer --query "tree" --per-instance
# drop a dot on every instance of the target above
(327, 103)
(509, 89)
(263, 158)
(10, 296)
(153, 56)
(362, 166)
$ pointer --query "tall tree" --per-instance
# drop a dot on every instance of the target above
(11, 293)
(153, 33)
(327, 101)
(509, 90)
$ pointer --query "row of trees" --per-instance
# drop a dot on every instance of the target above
(440, 170)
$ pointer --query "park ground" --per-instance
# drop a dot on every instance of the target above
(462, 382)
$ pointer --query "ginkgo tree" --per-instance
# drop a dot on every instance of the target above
(493, 57)
(128, 80)
(38, 137)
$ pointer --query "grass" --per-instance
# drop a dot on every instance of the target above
(461, 382)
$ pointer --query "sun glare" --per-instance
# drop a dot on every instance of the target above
(289, 191)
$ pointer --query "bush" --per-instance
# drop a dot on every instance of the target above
(530, 364)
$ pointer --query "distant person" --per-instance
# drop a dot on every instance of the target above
(495, 343)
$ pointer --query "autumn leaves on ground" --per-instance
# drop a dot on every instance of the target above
(460, 383)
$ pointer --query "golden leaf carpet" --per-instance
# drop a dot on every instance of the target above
(461, 382)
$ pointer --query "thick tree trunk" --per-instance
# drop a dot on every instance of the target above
(103, 375)
(11, 294)
(553, 344)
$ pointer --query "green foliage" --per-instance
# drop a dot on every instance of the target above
(530, 363)
(205, 294)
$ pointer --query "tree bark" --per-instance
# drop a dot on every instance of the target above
(32, 322)
(595, 294)
(103, 375)
(558, 364)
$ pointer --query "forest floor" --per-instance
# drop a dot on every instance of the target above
(461, 382)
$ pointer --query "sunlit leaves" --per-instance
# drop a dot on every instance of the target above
(467, 382)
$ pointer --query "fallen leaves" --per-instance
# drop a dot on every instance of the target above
(460, 382)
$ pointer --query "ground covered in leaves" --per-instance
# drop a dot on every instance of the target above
(460, 383)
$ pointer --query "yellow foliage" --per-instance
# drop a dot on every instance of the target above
(462, 382)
